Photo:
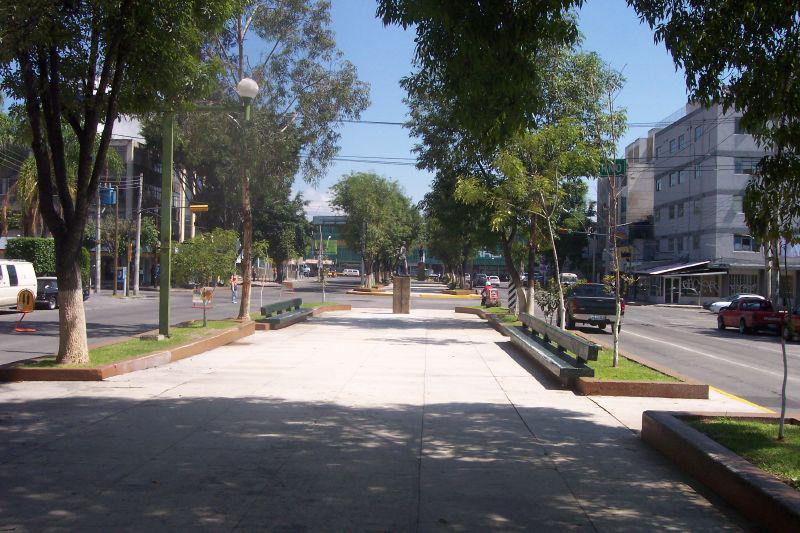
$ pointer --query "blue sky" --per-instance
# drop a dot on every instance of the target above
(383, 55)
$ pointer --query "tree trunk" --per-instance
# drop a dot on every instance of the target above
(247, 249)
(562, 312)
(505, 246)
(531, 266)
(73, 347)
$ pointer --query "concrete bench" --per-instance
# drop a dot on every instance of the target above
(284, 313)
(549, 346)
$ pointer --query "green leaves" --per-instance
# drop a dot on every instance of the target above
(202, 259)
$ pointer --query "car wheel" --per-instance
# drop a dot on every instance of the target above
(51, 303)
(602, 326)
(742, 327)
(720, 323)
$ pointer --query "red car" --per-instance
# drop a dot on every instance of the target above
(750, 314)
(795, 330)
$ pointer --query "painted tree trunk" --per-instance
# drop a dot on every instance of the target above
(73, 347)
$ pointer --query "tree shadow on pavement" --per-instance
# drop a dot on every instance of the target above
(106, 462)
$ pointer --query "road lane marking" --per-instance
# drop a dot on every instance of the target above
(740, 399)
(712, 356)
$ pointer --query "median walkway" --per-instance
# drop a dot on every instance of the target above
(353, 421)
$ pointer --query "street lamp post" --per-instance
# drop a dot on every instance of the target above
(247, 89)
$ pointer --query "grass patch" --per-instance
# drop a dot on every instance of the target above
(627, 370)
(502, 313)
(132, 348)
(757, 442)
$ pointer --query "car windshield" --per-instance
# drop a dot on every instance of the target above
(589, 289)
(45, 283)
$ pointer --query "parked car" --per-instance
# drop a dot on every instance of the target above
(568, 278)
(494, 280)
(504, 276)
(479, 282)
(749, 315)
(715, 307)
(591, 303)
(305, 270)
(47, 295)
(351, 272)
(15, 276)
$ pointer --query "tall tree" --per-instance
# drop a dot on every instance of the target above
(82, 63)
(281, 220)
(481, 57)
(380, 217)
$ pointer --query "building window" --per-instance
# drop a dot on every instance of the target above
(745, 165)
(658, 152)
(681, 142)
(697, 207)
(680, 210)
(744, 243)
(657, 214)
(673, 178)
(672, 146)
(736, 203)
(671, 212)
(737, 126)
(663, 245)
(658, 184)
(683, 175)
(671, 245)
(743, 283)
(696, 241)
(680, 244)
(698, 171)
(698, 132)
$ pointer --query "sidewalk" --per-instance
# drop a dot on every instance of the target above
(352, 421)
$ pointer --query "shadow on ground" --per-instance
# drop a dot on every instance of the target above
(248, 463)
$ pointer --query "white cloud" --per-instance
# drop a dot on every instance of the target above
(318, 202)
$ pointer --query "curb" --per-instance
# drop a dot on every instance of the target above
(758, 495)
(13, 372)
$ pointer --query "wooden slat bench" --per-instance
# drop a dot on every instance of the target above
(284, 313)
(548, 346)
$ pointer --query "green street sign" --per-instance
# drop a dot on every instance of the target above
(608, 169)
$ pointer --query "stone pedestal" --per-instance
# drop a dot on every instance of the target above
(401, 297)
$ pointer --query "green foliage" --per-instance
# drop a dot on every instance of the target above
(86, 262)
(380, 217)
(261, 249)
(202, 259)
(127, 234)
(36, 250)
(280, 222)
(626, 370)
(481, 58)
(547, 300)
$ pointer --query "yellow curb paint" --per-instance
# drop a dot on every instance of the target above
(737, 398)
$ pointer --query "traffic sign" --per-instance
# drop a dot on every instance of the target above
(26, 301)
(619, 167)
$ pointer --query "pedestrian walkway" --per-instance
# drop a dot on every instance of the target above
(353, 421)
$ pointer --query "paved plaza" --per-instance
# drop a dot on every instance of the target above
(352, 421)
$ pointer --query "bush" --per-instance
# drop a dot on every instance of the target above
(37, 250)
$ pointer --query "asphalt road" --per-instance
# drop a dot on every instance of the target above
(686, 340)
(109, 318)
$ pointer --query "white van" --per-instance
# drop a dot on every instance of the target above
(568, 278)
(15, 276)
(351, 272)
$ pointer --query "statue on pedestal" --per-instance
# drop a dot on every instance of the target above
(402, 262)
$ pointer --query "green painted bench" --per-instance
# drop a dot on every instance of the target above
(548, 346)
(284, 313)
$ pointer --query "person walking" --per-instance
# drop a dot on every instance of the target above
(233, 288)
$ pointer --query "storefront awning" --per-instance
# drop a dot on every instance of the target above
(674, 268)
(316, 261)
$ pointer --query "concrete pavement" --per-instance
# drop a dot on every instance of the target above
(352, 421)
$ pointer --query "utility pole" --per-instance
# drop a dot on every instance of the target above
(319, 257)
(116, 235)
(97, 246)
(138, 254)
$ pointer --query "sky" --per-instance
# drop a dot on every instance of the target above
(384, 55)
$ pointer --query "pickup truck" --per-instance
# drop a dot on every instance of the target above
(591, 303)
(750, 315)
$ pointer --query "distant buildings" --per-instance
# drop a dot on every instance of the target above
(684, 233)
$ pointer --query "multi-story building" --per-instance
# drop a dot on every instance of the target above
(701, 163)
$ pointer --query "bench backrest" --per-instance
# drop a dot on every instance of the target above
(582, 348)
(283, 305)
